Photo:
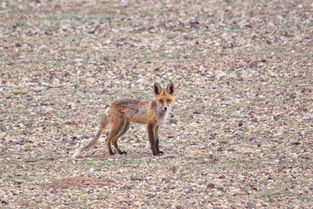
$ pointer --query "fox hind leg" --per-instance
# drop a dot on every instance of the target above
(117, 125)
(122, 131)
(108, 142)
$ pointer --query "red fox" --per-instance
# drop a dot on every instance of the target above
(120, 113)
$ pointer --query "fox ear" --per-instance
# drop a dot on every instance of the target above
(157, 88)
(170, 88)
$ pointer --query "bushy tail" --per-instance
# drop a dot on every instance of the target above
(94, 141)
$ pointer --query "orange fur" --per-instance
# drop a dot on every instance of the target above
(121, 112)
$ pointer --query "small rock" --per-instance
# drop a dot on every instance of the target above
(27, 147)
(5, 202)
(173, 121)
(194, 24)
(150, 195)
(251, 205)
(173, 169)
(211, 186)
(252, 139)
(72, 139)
(86, 136)
(222, 177)
(70, 105)
(221, 189)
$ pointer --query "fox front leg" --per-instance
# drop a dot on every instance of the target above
(151, 133)
(156, 134)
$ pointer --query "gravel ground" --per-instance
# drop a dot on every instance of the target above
(240, 134)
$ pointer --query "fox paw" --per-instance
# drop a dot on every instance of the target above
(123, 153)
(158, 154)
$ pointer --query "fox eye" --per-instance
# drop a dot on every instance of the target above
(161, 101)
(168, 100)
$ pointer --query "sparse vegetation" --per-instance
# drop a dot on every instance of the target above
(241, 132)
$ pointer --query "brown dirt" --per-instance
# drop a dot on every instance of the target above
(77, 182)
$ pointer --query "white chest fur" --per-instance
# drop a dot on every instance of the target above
(162, 114)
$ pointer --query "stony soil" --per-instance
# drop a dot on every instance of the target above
(241, 132)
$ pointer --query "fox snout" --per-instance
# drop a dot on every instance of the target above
(165, 108)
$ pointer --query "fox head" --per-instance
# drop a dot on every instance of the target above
(164, 97)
